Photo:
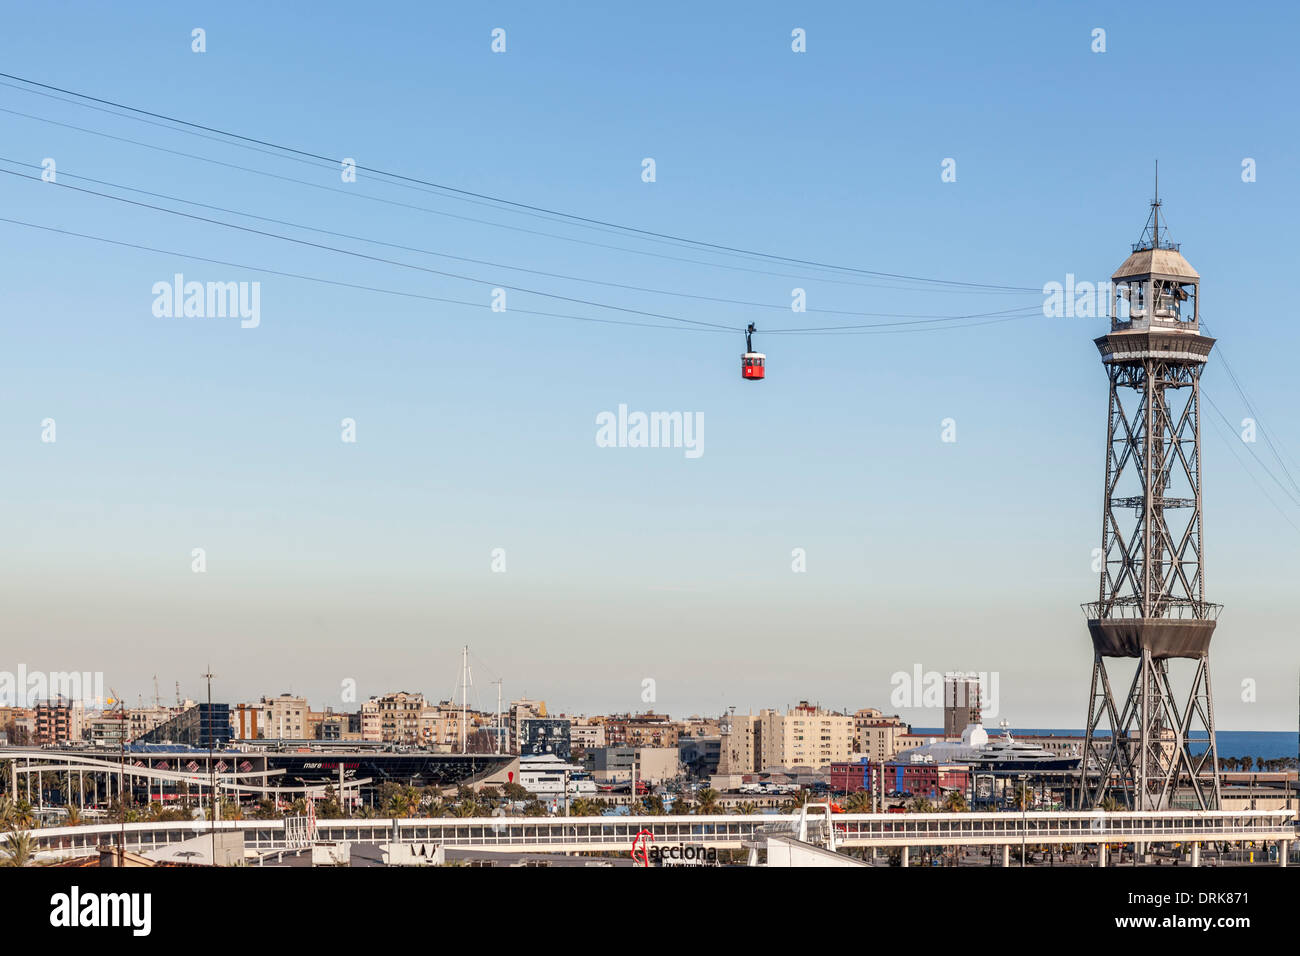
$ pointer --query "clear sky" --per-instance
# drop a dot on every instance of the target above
(371, 561)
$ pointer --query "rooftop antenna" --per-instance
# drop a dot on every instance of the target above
(499, 727)
(121, 775)
(464, 693)
(213, 809)
(1155, 212)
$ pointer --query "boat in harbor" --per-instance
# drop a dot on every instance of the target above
(1006, 754)
(545, 777)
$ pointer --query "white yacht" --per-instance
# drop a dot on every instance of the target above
(544, 776)
(1007, 753)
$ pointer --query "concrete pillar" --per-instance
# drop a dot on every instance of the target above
(1196, 854)
(904, 860)
(1006, 854)
(1101, 854)
(1283, 848)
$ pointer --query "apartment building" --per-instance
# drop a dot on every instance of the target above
(877, 736)
(398, 717)
(805, 736)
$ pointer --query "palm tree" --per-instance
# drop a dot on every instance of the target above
(411, 798)
(1111, 805)
(920, 804)
(748, 808)
(398, 806)
(466, 808)
(652, 805)
(582, 807)
(73, 817)
(858, 802)
(23, 818)
(707, 801)
(1024, 796)
(955, 802)
(19, 849)
(796, 802)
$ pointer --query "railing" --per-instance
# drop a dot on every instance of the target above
(723, 832)
(1161, 610)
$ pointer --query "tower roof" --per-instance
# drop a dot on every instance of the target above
(1157, 262)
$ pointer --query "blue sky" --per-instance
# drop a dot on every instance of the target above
(370, 561)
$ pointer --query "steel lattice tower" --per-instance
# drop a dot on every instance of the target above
(1151, 604)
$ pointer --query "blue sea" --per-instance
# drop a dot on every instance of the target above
(1260, 744)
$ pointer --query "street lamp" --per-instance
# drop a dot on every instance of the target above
(1023, 797)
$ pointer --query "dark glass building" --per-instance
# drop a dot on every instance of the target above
(202, 726)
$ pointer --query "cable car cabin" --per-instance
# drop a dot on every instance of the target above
(753, 366)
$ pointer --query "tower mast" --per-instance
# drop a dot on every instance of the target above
(1151, 599)
(464, 695)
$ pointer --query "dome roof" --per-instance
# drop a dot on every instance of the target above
(1157, 262)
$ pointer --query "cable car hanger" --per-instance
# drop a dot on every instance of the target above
(753, 365)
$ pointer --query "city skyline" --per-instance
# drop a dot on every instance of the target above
(374, 561)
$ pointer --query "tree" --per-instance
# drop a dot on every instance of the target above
(19, 849)
(329, 809)
(955, 802)
(707, 801)
(1024, 797)
(651, 805)
(411, 798)
(8, 810)
(858, 802)
(515, 791)
(396, 805)
(920, 804)
(748, 808)
(582, 807)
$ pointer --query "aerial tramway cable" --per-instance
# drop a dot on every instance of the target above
(500, 202)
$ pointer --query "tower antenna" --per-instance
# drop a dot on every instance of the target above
(1155, 212)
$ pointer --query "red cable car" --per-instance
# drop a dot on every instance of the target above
(753, 365)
